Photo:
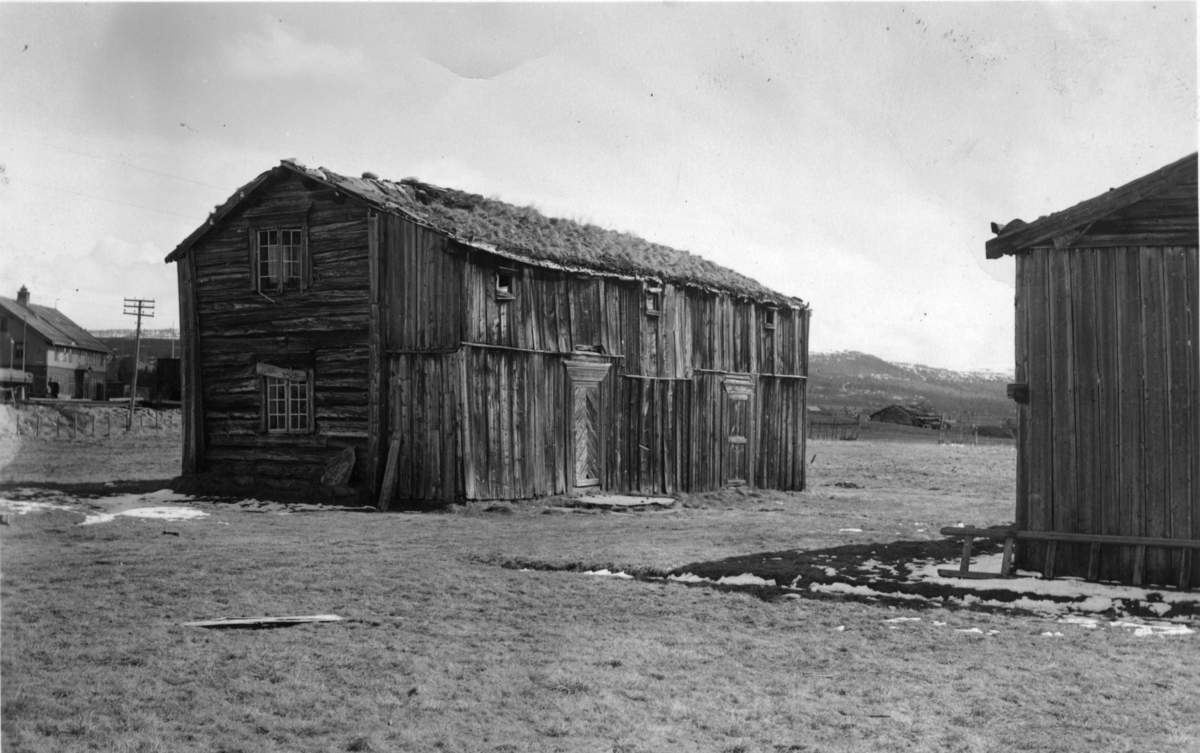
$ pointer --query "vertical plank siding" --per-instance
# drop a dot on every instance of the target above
(1106, 340)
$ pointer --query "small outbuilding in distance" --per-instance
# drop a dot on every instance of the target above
(419, 342)
(907, 415)
(1108, 381)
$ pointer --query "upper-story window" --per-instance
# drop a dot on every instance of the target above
(3, 323)
(506, 284)
(654, 301)
(278, 259)
(769, 317)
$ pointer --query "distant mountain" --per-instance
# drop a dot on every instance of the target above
(854, 382)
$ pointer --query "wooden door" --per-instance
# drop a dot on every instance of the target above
(586, 418)
(585, 415)
(737, 422)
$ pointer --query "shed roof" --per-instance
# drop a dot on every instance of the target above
(521, 233)
(53, 325)
(1062, 228)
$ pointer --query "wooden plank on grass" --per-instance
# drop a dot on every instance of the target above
(249, 622)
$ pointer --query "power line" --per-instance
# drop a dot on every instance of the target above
(112, 201)
(126, 164)
(139, 307)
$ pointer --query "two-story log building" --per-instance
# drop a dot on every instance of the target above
(478, 349)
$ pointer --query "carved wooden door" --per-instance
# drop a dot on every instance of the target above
(587, 434)
(585, 414)
(738, 402)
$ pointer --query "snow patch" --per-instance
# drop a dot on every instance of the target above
(23, 507)
(154, 513)
(622, 575)
(745, 579)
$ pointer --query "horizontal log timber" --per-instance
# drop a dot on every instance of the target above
(1071, 538)
(266, 440)
(266, 369)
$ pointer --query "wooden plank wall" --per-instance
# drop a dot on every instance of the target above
(780, 448)
(425, 415)
(556, 311)
(324, 327)
(1106, 340)
(516, 423)
(424, 272)
(650, 433)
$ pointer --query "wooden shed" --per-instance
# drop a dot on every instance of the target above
(1108, 379)
(470, 349)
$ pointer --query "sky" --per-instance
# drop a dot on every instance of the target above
(849, 154)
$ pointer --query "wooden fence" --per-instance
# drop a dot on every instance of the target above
(60, 426)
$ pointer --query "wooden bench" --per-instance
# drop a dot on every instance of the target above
(1052, 538)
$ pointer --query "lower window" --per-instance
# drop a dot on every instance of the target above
(288, 404)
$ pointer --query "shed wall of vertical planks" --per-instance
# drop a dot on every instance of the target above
(1107, 342)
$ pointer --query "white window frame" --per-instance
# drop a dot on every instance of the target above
(287, 400)
(279, 258)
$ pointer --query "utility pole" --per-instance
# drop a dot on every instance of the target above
(138, 307)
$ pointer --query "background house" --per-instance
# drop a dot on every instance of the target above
(63, 359)
(492, 352)
(1108, 374)
(908, 415)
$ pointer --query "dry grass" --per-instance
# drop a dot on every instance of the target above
(445, 651)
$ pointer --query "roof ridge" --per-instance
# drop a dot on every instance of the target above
(1017, 234)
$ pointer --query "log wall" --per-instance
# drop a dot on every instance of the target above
(1106, 339)
(228, 328)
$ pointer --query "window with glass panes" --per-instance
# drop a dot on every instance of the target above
(280, 259)
(287, 405)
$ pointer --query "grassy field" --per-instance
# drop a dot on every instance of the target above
(450, 646)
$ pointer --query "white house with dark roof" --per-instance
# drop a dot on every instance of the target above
(47, 353)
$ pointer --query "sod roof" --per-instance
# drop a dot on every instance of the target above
(523, 233)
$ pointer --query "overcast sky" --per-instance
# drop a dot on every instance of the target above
(851, 154)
